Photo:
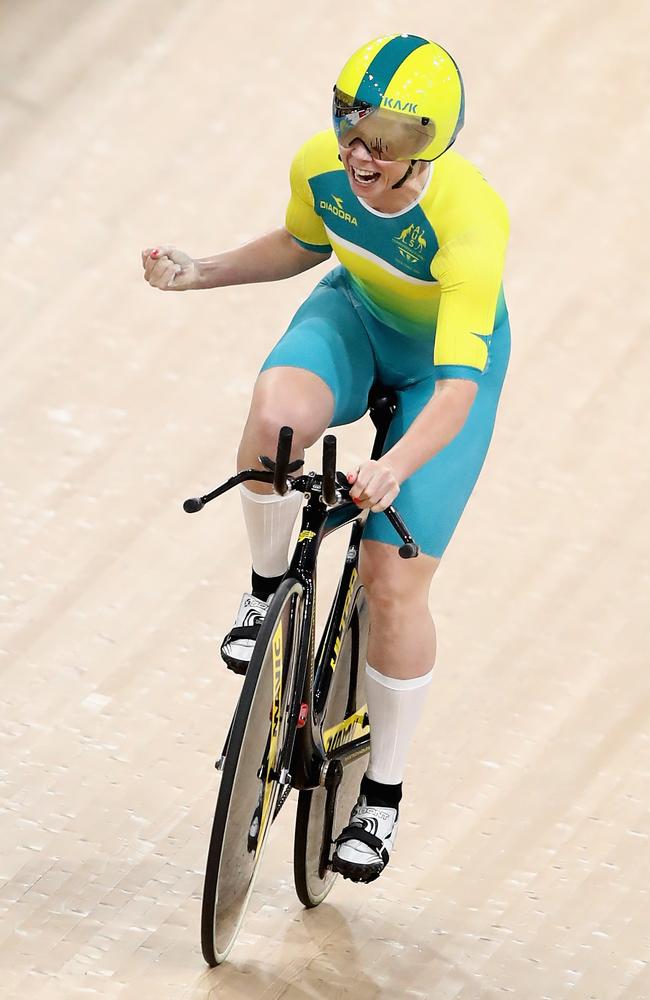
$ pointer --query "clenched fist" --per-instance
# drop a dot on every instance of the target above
(169, 269)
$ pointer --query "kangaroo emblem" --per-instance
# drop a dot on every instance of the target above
(411, 245)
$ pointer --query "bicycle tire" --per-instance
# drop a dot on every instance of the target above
(312, 881)
(249, 788)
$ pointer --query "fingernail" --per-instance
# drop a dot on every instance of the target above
(350, 478)
(154, 253)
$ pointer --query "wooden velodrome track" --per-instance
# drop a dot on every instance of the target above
(522, 863)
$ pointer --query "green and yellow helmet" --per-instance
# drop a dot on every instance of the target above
(403, 96)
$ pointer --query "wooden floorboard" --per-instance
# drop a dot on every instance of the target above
(522, 862)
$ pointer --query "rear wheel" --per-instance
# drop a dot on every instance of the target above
(345, 720)
(249, 792)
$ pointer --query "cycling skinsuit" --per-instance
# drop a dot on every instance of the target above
(418, 298)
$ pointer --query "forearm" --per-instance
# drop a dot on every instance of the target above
(434, 428)
(268, 258)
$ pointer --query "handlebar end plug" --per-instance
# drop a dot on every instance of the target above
(192, 505)
(409, 551)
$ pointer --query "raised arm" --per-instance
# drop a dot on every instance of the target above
(269, 258)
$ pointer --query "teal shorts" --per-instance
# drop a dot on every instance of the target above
(334, 336)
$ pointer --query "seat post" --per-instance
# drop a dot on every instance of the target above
(382, 404)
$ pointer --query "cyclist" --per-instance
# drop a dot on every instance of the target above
(417, 303)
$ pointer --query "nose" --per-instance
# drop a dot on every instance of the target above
(360, 150)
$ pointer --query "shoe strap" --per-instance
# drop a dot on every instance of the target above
(358, 833)
(243, 632)
(365, 836)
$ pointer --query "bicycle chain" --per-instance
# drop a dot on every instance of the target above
(284, 795)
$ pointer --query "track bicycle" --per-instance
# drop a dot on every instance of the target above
(301, 720)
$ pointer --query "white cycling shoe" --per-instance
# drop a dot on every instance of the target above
(364, 845)
(237, 647)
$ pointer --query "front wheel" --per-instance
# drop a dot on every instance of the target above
(248, 795)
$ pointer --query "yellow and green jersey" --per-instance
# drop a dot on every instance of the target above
(435, 266)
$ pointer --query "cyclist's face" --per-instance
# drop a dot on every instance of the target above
(370, 178)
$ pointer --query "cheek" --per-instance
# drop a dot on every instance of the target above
(396, 173)
(390, 172)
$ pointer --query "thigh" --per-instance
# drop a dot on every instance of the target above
(327, 337)
(432, 500)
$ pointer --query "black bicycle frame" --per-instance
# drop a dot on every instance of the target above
(315, 671)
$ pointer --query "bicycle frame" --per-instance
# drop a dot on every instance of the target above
(310, 758)
(316, 668)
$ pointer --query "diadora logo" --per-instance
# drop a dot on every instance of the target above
(411, 244)
(395, 105)
(338, 210)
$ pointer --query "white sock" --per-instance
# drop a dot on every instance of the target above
(394, 708)
(269, 522)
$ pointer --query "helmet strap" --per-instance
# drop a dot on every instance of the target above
(406, 176)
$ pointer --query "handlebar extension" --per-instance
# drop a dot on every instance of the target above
(329, 469)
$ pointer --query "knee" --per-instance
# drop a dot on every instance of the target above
(389, 598)
(296, 399)
(395, 587)
(268, 416)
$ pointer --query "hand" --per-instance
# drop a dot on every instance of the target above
(169, 269)
(374, 485)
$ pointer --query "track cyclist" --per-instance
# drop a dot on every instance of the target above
(417, 303)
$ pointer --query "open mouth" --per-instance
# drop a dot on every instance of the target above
(364, 177)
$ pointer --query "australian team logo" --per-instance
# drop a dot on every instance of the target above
(411, 244)
(338, 210)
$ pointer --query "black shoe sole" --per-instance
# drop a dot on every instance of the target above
(357, 873)
(236, 666)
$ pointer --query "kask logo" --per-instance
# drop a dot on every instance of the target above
(395, 105)
(338, 210)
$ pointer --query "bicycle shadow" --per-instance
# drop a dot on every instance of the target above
(345, 949)
(342, 949)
